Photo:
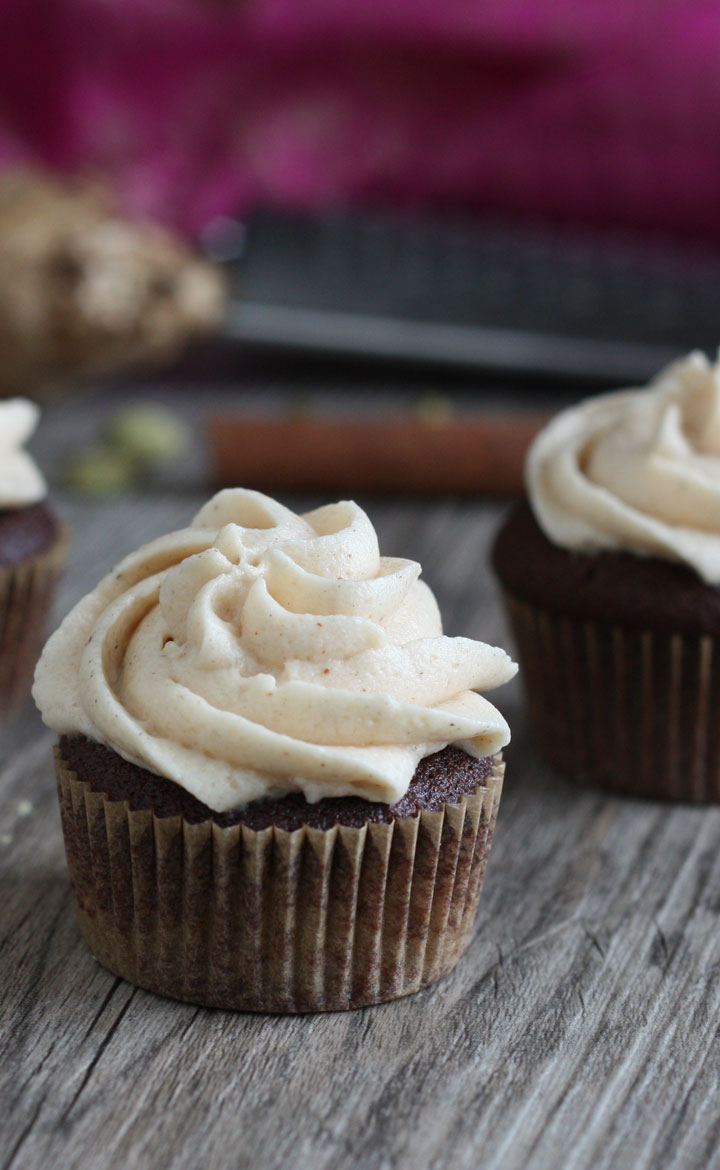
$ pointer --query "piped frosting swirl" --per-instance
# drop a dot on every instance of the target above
(259, 652)
(637, 470)
(21, 483)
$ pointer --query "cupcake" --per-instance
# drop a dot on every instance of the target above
(610, 570)
(32, 547)
(277, 780)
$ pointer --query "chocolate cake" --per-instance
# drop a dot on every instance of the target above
(442, 778)
(610, 574)
(619, 655)
(363, 903)
(26, 532)
(260, 649)
(619, 588)
(32, 552)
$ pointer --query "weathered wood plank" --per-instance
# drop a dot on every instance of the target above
(580, 1030)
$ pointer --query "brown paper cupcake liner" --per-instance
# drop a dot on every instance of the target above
(271, 920)
(26, 593)
(633, 711)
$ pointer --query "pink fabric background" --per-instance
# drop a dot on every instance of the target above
(571, 109)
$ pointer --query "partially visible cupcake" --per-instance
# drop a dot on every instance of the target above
(32, 549)
(278, 786)
(611, 576)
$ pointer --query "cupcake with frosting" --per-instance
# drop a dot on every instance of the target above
(278, 778)
(611, 574)
(32, 547)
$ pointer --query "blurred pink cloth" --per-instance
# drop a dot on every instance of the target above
(577, 110)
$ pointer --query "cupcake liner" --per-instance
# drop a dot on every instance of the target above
(271, 920)
(629, 710)
(26, 592)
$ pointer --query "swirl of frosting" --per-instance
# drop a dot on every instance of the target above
(259, 652)
(20, 481)
(637, 470)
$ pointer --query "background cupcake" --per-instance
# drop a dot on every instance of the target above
(278, 783)
(611, 576)
(32, 547)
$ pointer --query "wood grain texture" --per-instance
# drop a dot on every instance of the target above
(580, 1031)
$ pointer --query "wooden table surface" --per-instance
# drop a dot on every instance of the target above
(579, 1031)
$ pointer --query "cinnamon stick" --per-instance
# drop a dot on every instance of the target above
(478, 453)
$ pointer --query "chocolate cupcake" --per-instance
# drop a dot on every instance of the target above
(278, 784)
(611, 576)
(32, 549)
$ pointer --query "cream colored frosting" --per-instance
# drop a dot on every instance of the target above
(20, 481)
(259, 652)
(637, 470)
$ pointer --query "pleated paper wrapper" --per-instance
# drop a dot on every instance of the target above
(271, 920)
(26, 593)
(633, 711)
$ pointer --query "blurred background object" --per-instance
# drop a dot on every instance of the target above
(427, 452)
(83, 290)
(476, 296)
(582, 111)
(519, 194)
(134, 443)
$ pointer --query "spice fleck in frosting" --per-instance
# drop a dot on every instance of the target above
(259, 652)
